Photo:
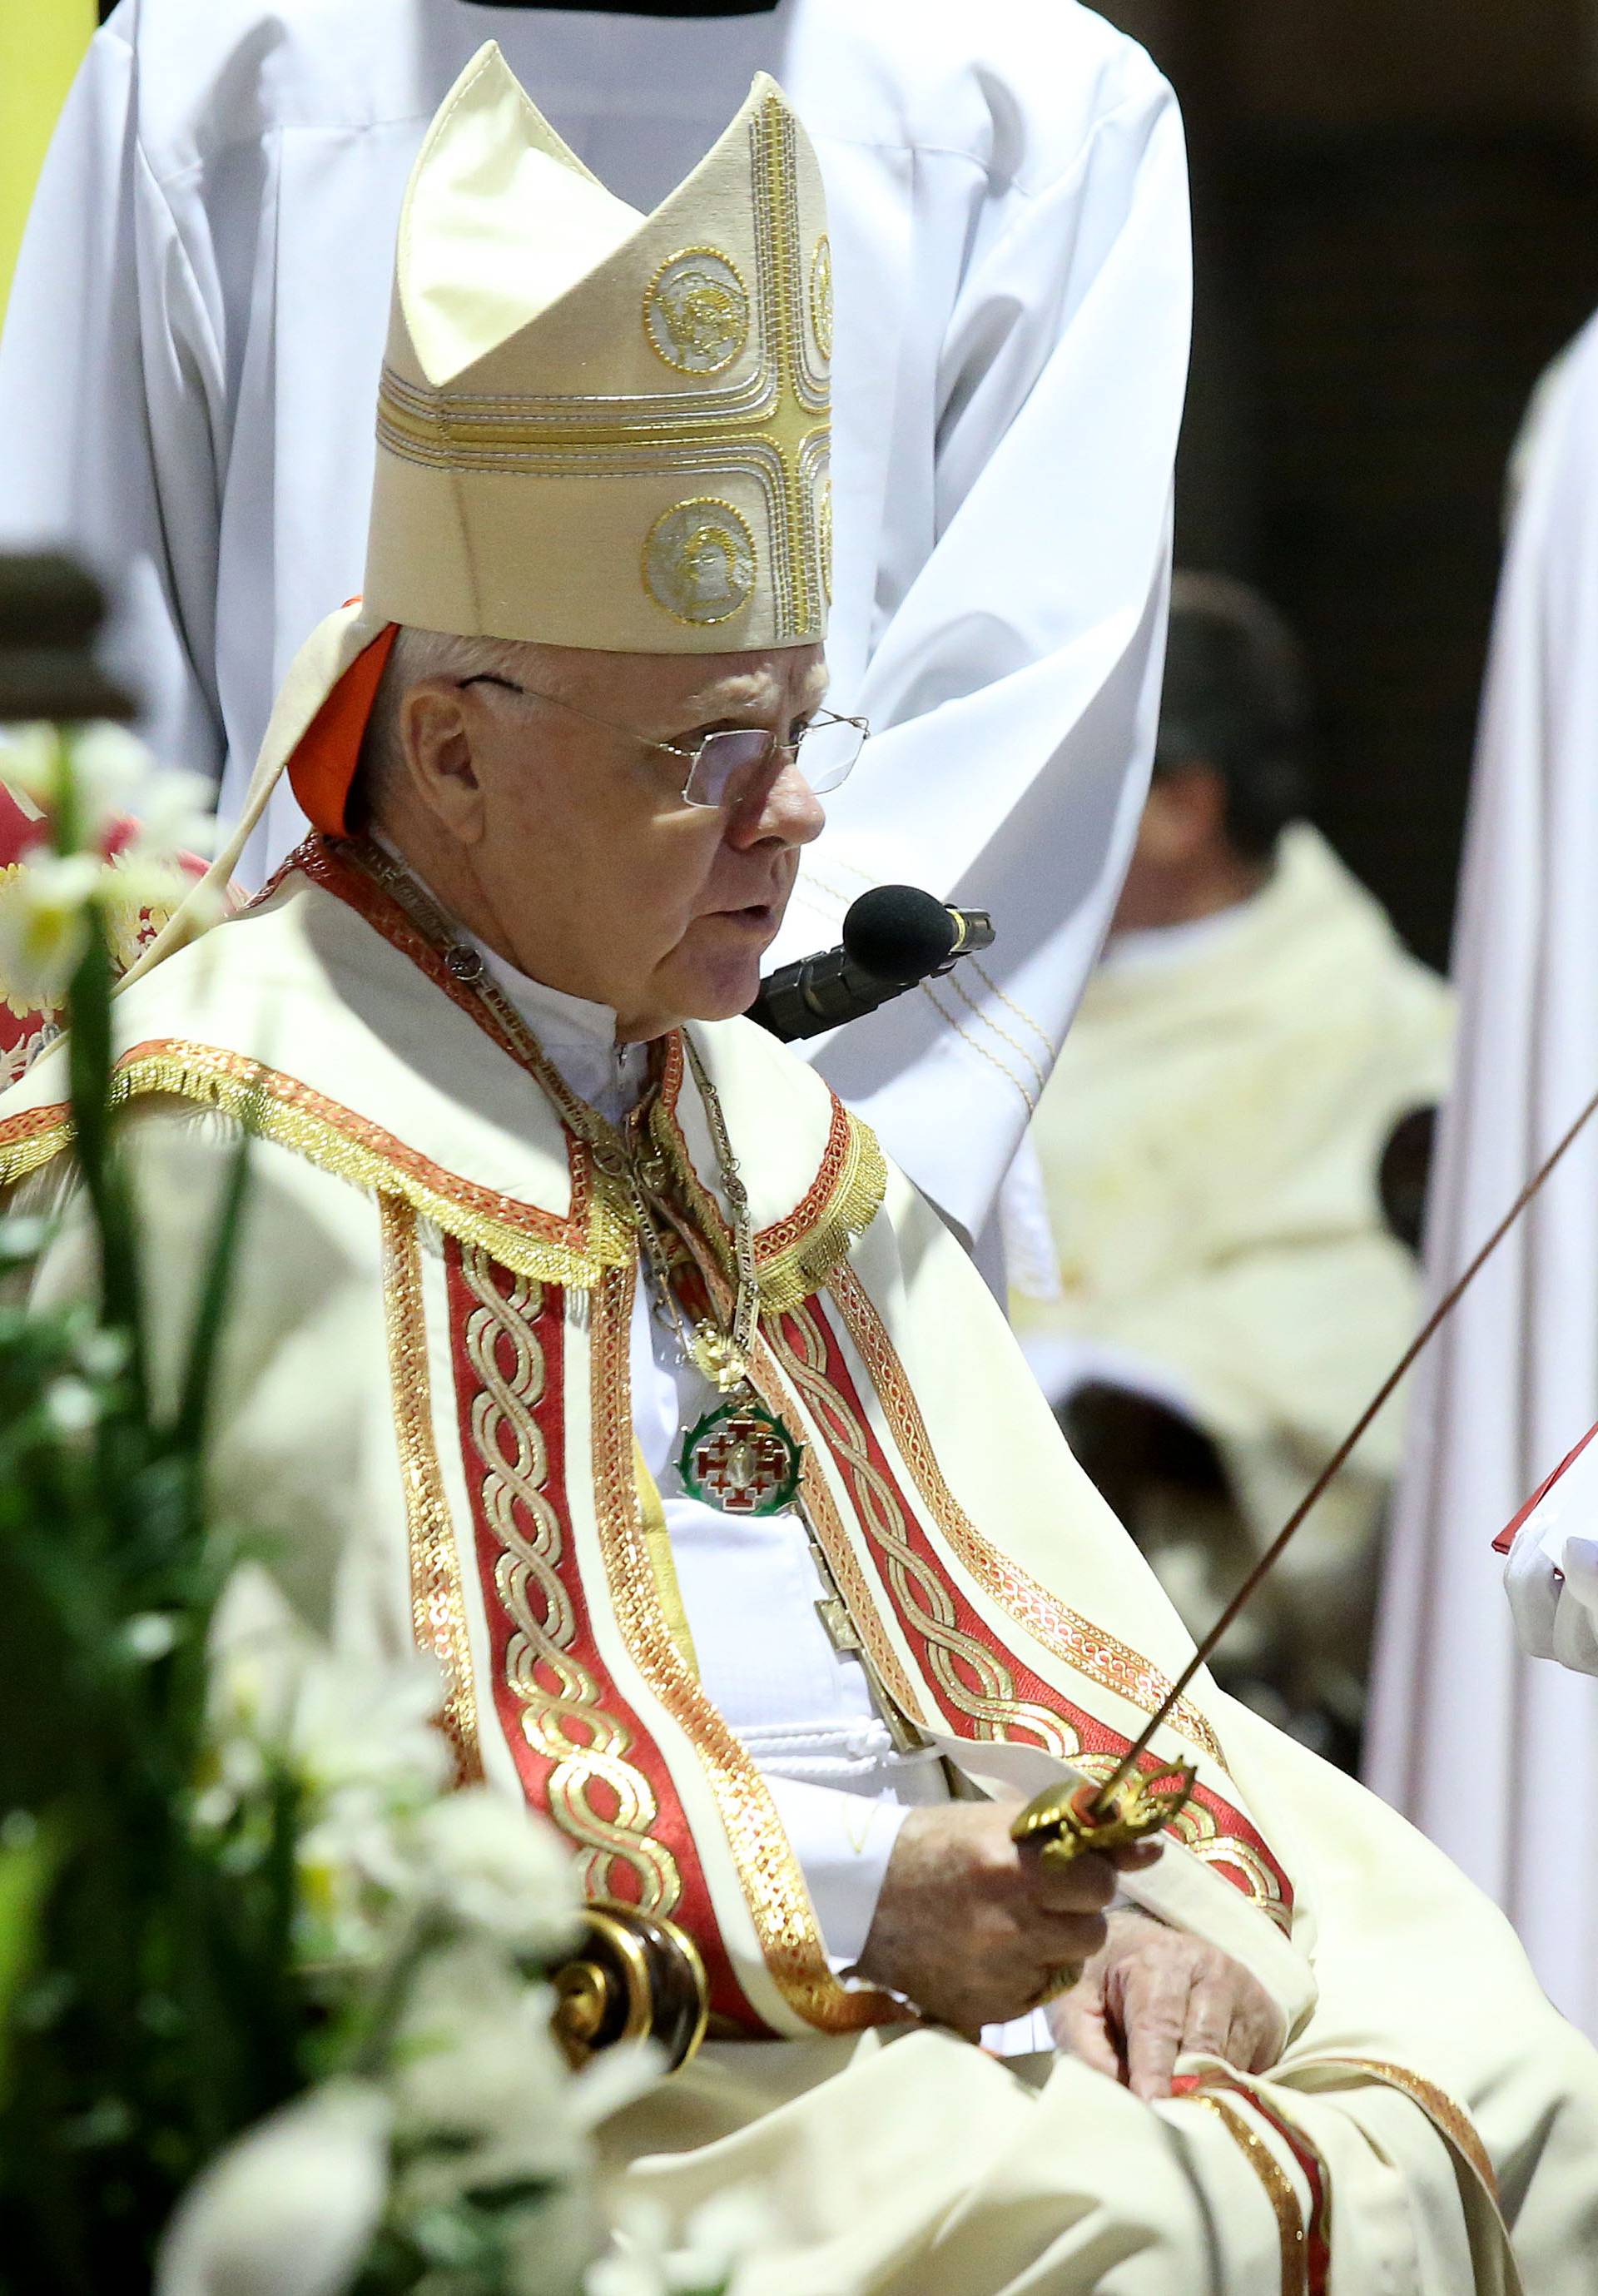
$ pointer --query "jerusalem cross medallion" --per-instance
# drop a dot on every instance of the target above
(741, 1459)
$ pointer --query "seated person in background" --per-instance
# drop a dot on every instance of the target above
(1216, 1291)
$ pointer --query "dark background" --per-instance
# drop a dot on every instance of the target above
(1395, 204)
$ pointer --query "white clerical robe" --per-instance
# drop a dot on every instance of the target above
(1465, 1732)
(193, 345)
(1210, 1148)
(425, 1409)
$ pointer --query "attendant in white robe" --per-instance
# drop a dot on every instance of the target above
(494, 1367)
(1466, 1730)
(193, 340)
(1218, 1255)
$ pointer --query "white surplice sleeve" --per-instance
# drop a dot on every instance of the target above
(1015, 684)
(112, 400)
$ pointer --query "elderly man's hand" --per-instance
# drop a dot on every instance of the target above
(1152, 1994)
(971, 1928)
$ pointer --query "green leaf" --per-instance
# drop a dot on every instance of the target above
(28, 1861)
(204, 1347)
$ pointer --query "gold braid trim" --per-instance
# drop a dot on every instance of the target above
(1278, 2188)
(437, 1605)
(774, 1886)
(1450, 2118)
(656, 1540)
(795, 1255)
(537, 1245)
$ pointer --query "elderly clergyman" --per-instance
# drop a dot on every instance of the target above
(582, 1337)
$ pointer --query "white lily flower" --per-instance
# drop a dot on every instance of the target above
(176, 814)
(138, 879)
(368, 1732)
(289, 2208)
(486, 1863)
(111, 768)
(71, 1404)
(359, 1734)
(46, 920)
(719, 2236)
(615, 2079)
(477, 2070)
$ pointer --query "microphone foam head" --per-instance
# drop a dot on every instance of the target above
(898, 934)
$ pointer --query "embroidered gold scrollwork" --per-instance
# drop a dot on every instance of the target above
(561, 1714)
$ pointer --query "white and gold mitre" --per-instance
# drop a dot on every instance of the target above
(597, 427)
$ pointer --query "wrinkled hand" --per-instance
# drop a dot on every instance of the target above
(1152, 1994)
(1555, 1613)
(970, 1927)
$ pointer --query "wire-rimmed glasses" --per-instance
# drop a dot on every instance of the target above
(724, 765)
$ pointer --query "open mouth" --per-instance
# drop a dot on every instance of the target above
(759, 917)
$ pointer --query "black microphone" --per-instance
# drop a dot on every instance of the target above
(893, 938)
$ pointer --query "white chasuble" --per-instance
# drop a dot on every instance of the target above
(192, 346)
(427, 1414)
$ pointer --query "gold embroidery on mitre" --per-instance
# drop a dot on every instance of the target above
(699, 563)
(696, 313)
(821, 295)
(769, 428)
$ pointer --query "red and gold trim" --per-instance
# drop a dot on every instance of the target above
(773, 1885)
(795, 1255)
(979, 1688)
(294, 1115)
(584, 1751)
(579, 1750)
(1113, 1665)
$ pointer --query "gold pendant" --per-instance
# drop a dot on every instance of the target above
(717, 1357)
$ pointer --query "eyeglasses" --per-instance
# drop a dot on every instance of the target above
(725, 765)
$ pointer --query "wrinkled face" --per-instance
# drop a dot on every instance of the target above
(595, 875)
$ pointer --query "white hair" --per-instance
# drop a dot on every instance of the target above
(418, 655)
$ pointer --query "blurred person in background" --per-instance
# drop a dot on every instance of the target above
(196, 328)
(1210, 1242)
(1511, 1383)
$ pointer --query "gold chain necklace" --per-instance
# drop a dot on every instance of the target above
(739, 1457)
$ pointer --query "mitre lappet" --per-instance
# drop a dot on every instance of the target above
(611, 431)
